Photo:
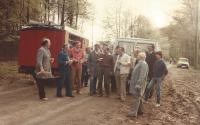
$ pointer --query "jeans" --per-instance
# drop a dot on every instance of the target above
(156, 81)
(93, 83)
(65, 79)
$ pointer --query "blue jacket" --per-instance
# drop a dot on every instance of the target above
(63, 57)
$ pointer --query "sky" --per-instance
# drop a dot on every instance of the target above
(158, 11)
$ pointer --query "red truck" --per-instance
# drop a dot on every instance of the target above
(30, 41)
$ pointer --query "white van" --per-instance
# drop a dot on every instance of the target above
(130, 44)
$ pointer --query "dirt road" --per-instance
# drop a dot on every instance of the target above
(19, 104)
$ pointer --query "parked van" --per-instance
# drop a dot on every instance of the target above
(130, 44)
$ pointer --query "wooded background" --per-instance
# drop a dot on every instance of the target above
(180, 38)
(16, 13)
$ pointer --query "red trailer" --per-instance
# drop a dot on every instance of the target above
(30, 41)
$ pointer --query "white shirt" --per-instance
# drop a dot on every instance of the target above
(124, 61)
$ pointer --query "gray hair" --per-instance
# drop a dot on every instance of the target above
(142, 56)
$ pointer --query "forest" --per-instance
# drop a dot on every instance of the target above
(182, 33)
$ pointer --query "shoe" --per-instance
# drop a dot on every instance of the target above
(123, 100)
(107, 95)
(131, 115)
(157, 105)
(59, 96)
(72, 96)
(118, 97)
(79, 93)
(145, 102)
(44, 99)
(140, 113)
(100, 95)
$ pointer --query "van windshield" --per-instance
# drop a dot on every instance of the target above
(129, 46)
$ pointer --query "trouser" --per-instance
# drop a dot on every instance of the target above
(93, 82)
(113, 84)
(128, 81)
(156, 81)
(137, 106)
(122, 86)
(40, 85)
(65, 79)
(152, 90)
(105, 74)
(85, 76)
(117, 78)
(76, 77)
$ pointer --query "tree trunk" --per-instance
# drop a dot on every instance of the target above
(48, 11)
(77, 13)
(28, 12)
(63, 14)
(58, 11)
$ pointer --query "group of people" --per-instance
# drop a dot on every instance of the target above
(137, 74)
(70, 62)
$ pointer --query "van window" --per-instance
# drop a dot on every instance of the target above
(128, 47)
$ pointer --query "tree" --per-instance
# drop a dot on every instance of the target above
(72, 10)
(181, 31)
(15, 13)
(142, 27)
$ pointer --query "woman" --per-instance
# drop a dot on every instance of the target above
(43, 66)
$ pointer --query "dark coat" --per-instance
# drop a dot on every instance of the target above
(160, 69)
(150, 59)
(92, 63)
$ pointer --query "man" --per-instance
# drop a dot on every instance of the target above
(138, 84)
(105, 71)
(134, 61)
(93, 68)
(123, 66)
(113, 77)
(85, 75)
(159, 72)
(64, 68)
(43, 67)
(77, 56)
(150, 59)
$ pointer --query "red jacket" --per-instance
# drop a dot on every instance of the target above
(78, 56)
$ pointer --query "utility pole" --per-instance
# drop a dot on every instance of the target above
(197, 36)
